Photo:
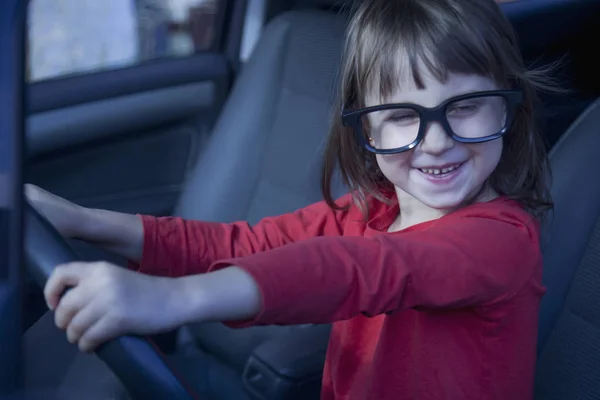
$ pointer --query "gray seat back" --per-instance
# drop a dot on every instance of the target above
(264, 157)
(569, 362)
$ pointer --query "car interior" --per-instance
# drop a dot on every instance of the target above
(212, 137)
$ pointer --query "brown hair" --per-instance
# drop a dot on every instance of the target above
(458, 36)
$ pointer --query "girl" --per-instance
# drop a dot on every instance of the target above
(430, 269)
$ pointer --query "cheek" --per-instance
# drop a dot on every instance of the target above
(488, 155)
(394, 166)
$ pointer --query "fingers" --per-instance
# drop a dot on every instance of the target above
(77, 294)
(71, 303)
(102, 330)
(64, 277)
(82, 321)
(30, 190)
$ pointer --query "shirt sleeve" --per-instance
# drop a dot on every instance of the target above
(177, 247)
(461, 263)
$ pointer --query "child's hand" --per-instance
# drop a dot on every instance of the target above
(122, 234)
(67, 217)
(106, 301)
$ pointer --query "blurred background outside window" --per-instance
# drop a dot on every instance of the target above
(69, 37)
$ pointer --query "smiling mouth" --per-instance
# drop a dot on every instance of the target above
(440, 171)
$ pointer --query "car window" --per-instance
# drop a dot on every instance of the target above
(68, 37)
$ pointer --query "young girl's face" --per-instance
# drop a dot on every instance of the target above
(440, 172)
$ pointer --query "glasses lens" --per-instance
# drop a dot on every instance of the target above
(478, 117)
(391, 129)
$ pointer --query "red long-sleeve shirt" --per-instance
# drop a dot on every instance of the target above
(446, 309)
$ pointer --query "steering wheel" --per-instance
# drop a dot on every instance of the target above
(139, 365)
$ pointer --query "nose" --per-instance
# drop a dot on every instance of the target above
(436, 140)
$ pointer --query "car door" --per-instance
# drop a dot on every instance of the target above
(122, 94)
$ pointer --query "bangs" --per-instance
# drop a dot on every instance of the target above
(394, 44)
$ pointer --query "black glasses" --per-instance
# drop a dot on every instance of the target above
(471, 118)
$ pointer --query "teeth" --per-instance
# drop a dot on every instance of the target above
(439, 171)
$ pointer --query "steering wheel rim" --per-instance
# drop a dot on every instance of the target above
(136, 361)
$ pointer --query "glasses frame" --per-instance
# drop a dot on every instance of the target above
(352, 118)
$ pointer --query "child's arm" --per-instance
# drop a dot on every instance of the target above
(467, 262)
(177, 247)
(116, 232)
(119, 233)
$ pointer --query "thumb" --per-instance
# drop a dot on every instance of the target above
(63, 277)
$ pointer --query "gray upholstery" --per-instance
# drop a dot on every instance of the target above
(264, 157)
(576, 192)
(569, 362)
